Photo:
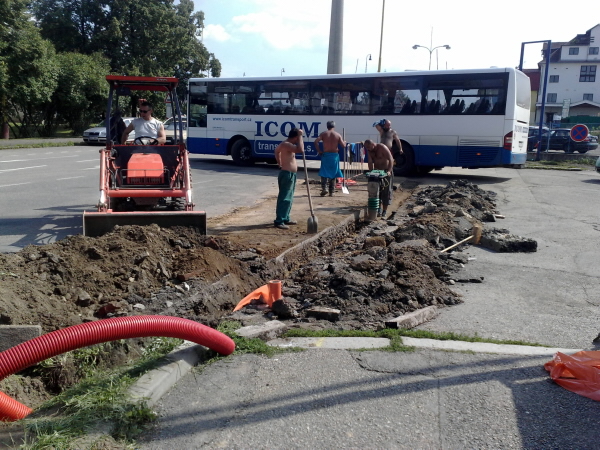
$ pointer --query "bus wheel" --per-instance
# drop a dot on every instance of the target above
(241, 153)
(422, 170)
(405, 162)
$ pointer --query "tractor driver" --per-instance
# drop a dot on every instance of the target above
(146, 125)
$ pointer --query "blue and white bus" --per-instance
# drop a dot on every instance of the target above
(459, 118)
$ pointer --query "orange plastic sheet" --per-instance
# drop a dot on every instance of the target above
(579, 373)
(266, 294)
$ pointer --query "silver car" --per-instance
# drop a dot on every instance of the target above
(172, 129)
(97, 135)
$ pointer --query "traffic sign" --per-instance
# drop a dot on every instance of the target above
(579, 133)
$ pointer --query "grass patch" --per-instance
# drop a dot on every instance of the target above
(449, 336)
(245, 345)
(393, 334)
(40, 145)
(101, 397)
(579, 164)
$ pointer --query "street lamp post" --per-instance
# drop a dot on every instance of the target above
(430, 50)
(367, 59)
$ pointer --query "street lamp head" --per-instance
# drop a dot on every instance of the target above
(447, 47)
(370, 59)
(415, 47)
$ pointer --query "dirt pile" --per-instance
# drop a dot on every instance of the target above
(389, 268)
(130, 270)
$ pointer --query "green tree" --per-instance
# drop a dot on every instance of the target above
(139, 37)
(28, 69)
(80, 96)
(71, 25)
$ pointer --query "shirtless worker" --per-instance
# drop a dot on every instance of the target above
(285, 154)
(330, 158)
(388, 137)
(380, 158)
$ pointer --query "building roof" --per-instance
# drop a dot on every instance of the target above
(534, 78)
(580, 39)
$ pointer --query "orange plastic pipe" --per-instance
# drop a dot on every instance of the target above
(269, 293)
(43, 347)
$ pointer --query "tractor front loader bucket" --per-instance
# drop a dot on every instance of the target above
(99, 223)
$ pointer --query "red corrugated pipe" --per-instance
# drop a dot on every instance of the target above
(31, 352)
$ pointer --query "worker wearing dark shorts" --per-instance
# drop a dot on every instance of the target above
(385, 193)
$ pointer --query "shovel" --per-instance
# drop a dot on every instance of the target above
(344, 188)
(313, 224)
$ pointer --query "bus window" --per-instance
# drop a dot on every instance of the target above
(347, 96)
(197, 105)
(466, 94)
(523, 90)
(396, 95)
(284, 97)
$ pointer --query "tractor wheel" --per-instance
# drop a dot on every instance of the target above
(241, 153)
(177, 204)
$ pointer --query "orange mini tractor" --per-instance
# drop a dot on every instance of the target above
(143, 183)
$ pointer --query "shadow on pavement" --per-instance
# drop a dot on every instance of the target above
(545, 414)
(66, 221)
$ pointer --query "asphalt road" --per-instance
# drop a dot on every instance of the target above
(44, 191)
(429, 399)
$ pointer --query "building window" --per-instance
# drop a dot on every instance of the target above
(589, 97)
(587, 74)
(551, 98)
(574, 51)
(553, 79)
(593, 51)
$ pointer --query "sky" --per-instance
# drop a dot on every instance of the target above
(269, 38)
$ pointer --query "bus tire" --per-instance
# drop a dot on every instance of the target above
(423, 170)
(404, 164)
(241, 153)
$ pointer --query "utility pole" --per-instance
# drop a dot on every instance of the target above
(381, 37)
(336, 37)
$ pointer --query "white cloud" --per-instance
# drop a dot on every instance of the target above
(216, 33)
(283, 29)
(259, 37)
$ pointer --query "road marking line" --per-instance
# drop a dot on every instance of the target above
(20, 168)
(16, 184)
(70, 178)
(39, 159)
(88, 160)
(91, 168)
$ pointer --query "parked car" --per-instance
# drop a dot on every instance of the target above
(598, 165)
(171, 127)
(560, 139)
(97, 135)
(532, 138)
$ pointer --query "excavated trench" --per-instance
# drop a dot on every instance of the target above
(361, 274)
